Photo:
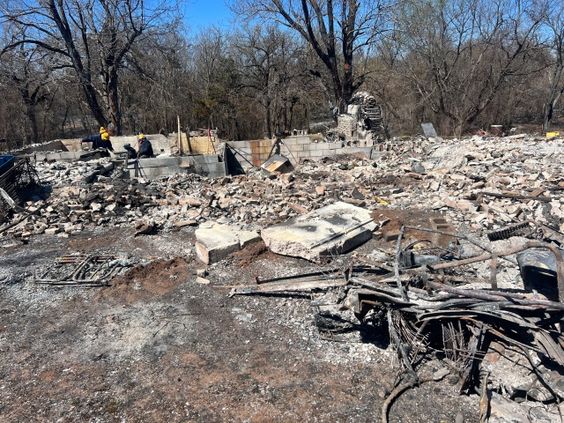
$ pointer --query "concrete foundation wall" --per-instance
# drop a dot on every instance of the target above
(295, 148)
(161, 145)
(208, 165)
(64, 156)
(55, 145)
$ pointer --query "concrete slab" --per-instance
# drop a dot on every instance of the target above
(334, 229)
(247, 238)
(214, 241)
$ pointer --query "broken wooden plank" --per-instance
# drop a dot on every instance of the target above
(494, 296)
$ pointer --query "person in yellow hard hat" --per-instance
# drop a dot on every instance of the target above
(100, 141)
(144, 146)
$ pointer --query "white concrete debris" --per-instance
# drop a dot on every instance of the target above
(457, 172)
(216, 242)
(333, 229)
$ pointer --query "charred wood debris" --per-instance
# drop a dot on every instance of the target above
(434, 293)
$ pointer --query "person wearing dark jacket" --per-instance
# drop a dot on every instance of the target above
(144, 147)
(100, 141)
(131, 153)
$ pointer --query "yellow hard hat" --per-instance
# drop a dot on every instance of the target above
(105, 136)
(102, 129)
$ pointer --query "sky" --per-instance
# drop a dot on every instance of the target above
(199, 14)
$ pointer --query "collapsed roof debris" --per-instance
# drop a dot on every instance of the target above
(449, 251)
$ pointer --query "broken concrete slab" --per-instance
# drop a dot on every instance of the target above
(334, 229)
(247, 238)
(216, 242)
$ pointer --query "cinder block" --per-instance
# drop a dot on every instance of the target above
(239, 144)
(294, 148)
(291, 141)
(205, 159)
(303, 140)
(334, 145)
(216, 170)
(317, 147)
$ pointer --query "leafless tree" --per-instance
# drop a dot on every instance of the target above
(93, 37)
(336, 31)
(553, 27)
(268, 62)
(25, 69)
(461, 53)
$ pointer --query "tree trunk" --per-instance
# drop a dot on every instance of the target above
(348, 89)
(548, 113)
(93, 105)
(268, 120)
(30, 113)
(32, 117)
(553, 97)
(337, 87)
(113, 102)
(64, 122)
(348, 39)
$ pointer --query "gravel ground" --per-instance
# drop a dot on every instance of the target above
(158, 346)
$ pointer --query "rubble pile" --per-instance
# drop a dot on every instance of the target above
(479, 293)
(483, 183)
(188, 199)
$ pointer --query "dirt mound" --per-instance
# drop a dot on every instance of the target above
(154, 279)
(249, 254)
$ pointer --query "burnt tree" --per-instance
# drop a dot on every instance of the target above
(335, 30)
(92, 37)
(553, 27)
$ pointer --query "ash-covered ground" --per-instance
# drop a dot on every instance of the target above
(159, 345)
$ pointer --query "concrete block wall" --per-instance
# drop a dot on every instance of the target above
(207, 165)
(161, 144)
(63, 156)
(255, 151)
(55, 145)
(296, 149)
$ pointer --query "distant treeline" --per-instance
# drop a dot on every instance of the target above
(69, 66)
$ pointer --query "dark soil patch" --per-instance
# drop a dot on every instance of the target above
(153, 280)
(249, 254)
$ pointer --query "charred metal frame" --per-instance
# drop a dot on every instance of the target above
(86, 272)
